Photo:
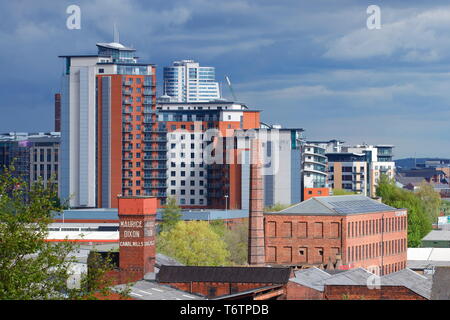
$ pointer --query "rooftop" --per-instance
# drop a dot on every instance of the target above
(316, 279)
(223, 274)
(150, 290)
(336, 205)
(437, 235)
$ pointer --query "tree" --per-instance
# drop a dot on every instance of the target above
(171, 214)
(31, 267)
(342, 192)
(193, 243)
(431, 199)
(419, 223)
(276, 207)
(236, 239)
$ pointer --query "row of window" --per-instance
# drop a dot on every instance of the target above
(191, 173)
(45, 154)
(182, 192)
(375, 250)
(371, 227)
(303, 230)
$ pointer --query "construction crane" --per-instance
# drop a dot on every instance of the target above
(231, 88)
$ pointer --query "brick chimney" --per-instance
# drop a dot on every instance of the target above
(137, 216)
(256, 249)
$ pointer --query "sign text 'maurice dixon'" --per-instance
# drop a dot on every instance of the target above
(146, 228)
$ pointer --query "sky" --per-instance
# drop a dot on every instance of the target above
(305, 64)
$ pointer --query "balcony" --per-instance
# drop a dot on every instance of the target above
(155, 177)
(126, 92)
(153, 149)
(149, 120)
(148, 92)
(127, 83)
(157, 158)
(127, 101)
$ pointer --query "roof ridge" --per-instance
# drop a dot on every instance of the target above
(326, 205)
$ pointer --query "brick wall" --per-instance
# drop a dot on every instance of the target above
(332, 292)
(215, 289)
(296, 291)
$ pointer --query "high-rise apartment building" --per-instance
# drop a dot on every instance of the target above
(187, 81)
(111, 141)
(203, 160)
(281, 156)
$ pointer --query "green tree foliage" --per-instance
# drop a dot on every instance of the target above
(193, 243)
(445, 207)
(419, 223)
(342, 192)
(236, 239)
(276, 207)
(30, 267)
(431, 199)
(171, 214)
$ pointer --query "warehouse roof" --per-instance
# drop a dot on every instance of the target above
(441, 281)
(311, 278)
(437, 235)
(409, 279)
(187, 214)
(316, 279)
(223, 274)
(150, 290)
(336, 205)
(358, 277)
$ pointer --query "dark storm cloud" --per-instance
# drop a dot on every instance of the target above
(311, 64)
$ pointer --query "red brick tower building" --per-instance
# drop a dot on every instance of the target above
(137, 252)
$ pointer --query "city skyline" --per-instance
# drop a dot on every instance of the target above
(387, 89)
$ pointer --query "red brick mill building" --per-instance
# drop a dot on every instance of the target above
(345, 231)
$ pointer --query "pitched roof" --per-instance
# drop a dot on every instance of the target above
(358, 277)
(409, 279)
(223, 274)
(150, 290)
(336, 205)
(312, 278)
(441, 282)
(437, 235)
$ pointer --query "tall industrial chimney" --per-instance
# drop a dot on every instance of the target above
(256, 250)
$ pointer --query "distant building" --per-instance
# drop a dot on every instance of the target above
(436, 239)
(187, 81)
(57, 112)
(359, 168)
(315, 177)
(35, 156)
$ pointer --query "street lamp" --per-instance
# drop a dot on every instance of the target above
(226, 202)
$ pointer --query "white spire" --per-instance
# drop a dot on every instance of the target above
(116, 34)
